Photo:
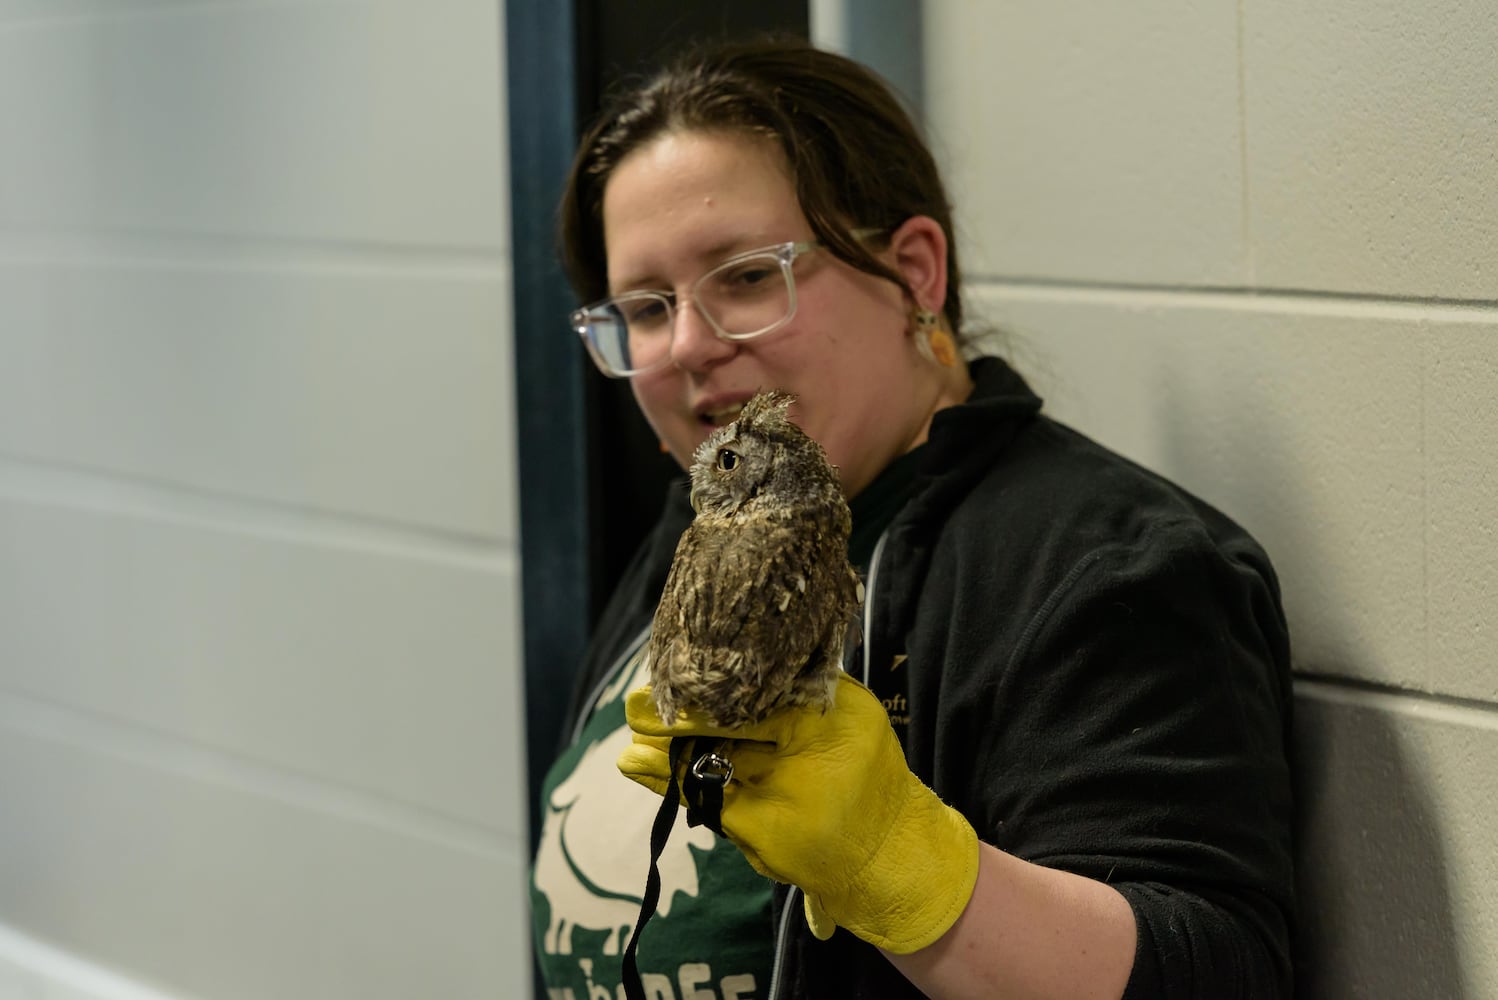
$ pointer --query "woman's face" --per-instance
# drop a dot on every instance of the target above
(679, 205)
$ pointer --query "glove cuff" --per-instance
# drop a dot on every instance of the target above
(918, 882)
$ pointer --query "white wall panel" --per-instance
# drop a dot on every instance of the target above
(1338, 162)
(32, 970)
(1461, 443)
(1089, 141)
(1302, 420)
(52, 10)
(259, 120)
(209, 892)
(364, 666)
(49, 101)
(382, 392)
(259, 635)
(1397, 846)
(1372, 141)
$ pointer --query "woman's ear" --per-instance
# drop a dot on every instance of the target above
(920, 250)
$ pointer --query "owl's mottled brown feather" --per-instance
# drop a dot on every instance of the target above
(760, 595)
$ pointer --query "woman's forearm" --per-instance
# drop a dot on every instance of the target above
(1029, 931)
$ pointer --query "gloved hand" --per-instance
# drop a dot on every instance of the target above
(824, 800)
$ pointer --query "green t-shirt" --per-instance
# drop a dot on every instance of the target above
(711, 934)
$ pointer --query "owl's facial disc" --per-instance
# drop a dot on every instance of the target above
(727, 462)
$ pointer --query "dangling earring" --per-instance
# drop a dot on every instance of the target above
(934, 341)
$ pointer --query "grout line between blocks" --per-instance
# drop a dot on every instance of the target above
(1284, 300)
(1465, 712)
(142, 746)
(42, 483)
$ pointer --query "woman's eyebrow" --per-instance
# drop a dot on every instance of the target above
(706, 259)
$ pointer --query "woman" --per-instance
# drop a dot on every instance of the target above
(1061, 770)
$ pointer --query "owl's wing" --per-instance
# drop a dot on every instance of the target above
(750, 599)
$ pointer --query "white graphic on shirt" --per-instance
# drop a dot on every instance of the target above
(595, 848)
(634, 675)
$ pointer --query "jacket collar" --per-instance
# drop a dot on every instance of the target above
(966, 439)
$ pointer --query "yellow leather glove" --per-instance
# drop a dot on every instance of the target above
(824, 800)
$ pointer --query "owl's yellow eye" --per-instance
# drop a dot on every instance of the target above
(728, 459)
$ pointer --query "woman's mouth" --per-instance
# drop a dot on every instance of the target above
(721, 416)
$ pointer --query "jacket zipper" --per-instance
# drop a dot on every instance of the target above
(782, 934)
(868, 603)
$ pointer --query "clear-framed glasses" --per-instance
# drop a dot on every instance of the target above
(748, 295)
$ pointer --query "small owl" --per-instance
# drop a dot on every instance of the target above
(760, 595)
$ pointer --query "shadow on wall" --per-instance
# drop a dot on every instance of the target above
(1375, 908)
(1374, 901)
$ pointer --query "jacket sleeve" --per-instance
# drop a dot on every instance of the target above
(1137, 735)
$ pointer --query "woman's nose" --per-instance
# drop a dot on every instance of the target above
(695, 345)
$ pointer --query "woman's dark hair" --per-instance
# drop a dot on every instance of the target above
(856, 158)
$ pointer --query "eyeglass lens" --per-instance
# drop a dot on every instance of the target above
(741, 298)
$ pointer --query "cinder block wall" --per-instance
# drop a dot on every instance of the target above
(1255, 246)
(259, 685)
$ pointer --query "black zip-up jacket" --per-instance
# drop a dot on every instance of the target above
(1088, 662)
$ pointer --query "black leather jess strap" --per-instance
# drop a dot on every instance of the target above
(702, 787)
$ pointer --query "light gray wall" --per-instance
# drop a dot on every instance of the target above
(259, 629)
(1255, 245)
